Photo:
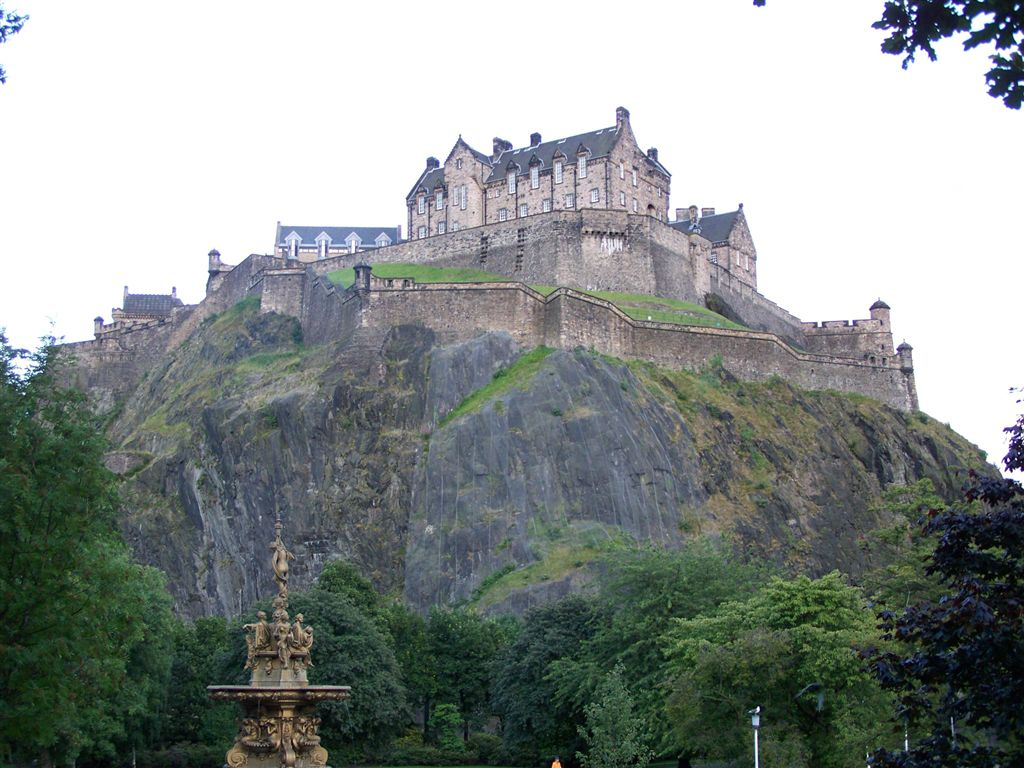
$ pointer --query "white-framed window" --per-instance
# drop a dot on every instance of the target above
(503, 214)
(545, 205)
(353, 241)
(455, 226)
(636, 206)
(622, 199)
(293, 248)
(570, 201)
(440, 227)
(535, 177)
(421, 204)
(421, 232)
(383, 240)
(582, 166)
(659, 191)
(634, 177)
(714, 258)
(321, 247)
(595, 195)
(439, 200)
(622, 170)
(511, 182)
(558, 171)
(523, 210)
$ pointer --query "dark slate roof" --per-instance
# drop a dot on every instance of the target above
(431, 178)
(880, 305)
(599, 142)
(338, 235)
(715, 228)
(153, 304)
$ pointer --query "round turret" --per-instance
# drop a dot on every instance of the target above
(880, 312)
(906, 355)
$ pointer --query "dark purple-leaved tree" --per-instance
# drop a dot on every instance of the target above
(914, 26)
(959, 668)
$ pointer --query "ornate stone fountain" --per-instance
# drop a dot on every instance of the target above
(279, 723)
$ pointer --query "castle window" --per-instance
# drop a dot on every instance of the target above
(583, 166)
(511, 182)
(570, 201)
(546, 205)
(323, 242)
(462, 195)
(438, 200)
(503, 214)
(714, 258)
(534, 177)
(634, 177)
(636, 206)
(383, 240)
(523, 210)
(421, 232)
(421, 204)
(458, 164)
(440, 227)
(622, 198)
(558, 171)
(455, 226)
(595, 195)
(622, 171)
(293, 248)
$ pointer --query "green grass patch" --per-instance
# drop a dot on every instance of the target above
(421, 273)
(640, 306)
(517, 375)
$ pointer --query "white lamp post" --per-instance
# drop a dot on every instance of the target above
(755, 721)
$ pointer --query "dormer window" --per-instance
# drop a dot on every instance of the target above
(353, 241)
(511, 177)
(383, 240)
(535, 177)
(558, 171)
(293, 241)
(323, 244)
(439, 200)
(421, 204)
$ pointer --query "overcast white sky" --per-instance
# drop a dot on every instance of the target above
(136, 136)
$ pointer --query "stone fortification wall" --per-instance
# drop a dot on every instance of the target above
(328, 312)
(864, 339)
(569, 319)
(740, 302)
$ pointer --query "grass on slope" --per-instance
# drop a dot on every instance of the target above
(638, 306)
(517, 375)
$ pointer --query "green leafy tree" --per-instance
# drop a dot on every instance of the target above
(959, 669)
(411, 646)
(464, 646)
(343, 578)
(535, 724)
(74, 606)
(641, 592)
(446, 724)
(791, 649)
(10, 23)
(613, 732)
(914, 26)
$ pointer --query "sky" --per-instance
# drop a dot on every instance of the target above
(137, 136)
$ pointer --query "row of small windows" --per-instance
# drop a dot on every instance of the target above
(323, 245)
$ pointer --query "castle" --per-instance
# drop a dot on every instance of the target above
(587, 213)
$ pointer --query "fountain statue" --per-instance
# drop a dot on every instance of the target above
(279, 723)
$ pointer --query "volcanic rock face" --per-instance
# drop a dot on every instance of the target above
(486, 473)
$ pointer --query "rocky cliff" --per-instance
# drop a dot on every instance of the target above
(482, 472)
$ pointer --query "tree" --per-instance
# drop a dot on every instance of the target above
(914, 27)
(535, 724)
(408, 633)
(614, 732)
(77, 612)
(789, 649)
(959, 673)
(10, 23)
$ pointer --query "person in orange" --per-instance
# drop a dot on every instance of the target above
(556, 763)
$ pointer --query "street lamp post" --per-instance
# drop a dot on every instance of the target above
(755, 721)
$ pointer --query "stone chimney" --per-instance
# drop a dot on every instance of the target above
(707, 212)
(653, 153)
(174, 292)
(500, 145)
(534, 139)
(97, 325)
(125, 297)
(432, 163)
(682, 214)
(692, 212)
(621, 116)
(398, 232)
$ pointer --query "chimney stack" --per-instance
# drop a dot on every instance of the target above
(681, 214)
(692, 211)
(707, 212)
(433, 162)
(621, 116)
(653, 153)
(534, 139)
(174, 292)
(125, 292)
(500, 145)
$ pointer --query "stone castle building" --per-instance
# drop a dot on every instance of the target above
(587, 213)
(603, 169)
